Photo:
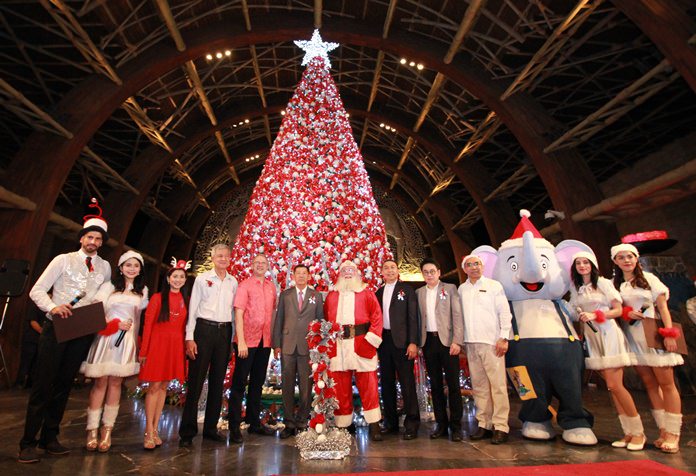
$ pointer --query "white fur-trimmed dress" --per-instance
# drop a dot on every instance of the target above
(639, 298)
(104, 358)
(607, 348)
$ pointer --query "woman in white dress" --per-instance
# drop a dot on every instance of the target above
(598, 305)
(642, 294)
(113, 354)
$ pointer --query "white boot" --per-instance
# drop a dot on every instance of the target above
(93, 417)
(108, 421)
(635, 427)
(673, 423)
(538, 431)
(625, 427)
(659, 417)
(580, 436)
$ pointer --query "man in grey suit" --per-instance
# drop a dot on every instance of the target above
(298, 306)
(441, 337)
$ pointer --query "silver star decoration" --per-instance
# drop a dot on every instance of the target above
(316, 47)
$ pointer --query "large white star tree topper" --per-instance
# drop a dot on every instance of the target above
(316, 47)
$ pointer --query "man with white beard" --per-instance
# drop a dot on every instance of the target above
(357, 310)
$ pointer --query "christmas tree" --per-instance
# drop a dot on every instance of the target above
(313, 203)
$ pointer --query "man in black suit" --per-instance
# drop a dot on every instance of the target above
(298, 306)
(398, 350)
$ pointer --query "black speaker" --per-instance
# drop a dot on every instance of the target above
(14, 275)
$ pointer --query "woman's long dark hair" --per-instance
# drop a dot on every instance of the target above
(119, 281)
(164, 292)
(577, 278)
(638, 277)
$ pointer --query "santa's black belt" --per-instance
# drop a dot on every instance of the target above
(350, 330)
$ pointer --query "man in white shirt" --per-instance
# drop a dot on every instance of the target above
(73, 280)
(487, 324)
(441, 337)
(209, 332)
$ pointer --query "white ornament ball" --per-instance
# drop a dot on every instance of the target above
(315, 367)
(321, 438)
(319, 428)
(321, 384)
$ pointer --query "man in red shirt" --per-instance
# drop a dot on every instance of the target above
(357, 310)
(254, 306)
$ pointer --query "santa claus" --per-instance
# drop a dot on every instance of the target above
(357, 310)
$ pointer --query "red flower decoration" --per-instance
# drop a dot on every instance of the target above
(322, 349)
(320, 418)
(315, 326)
(210, 283)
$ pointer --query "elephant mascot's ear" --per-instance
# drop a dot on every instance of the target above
(489, 256)
(564, 254)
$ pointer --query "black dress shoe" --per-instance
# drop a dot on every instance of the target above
(260, 430)
(456, 435)
(439, 432)
(389, 430)
(351, 428)
(54, 448)
(236, 435)
(185, 442)
(287, 433)
(410, 435)
(28, 455)
(499, 437)
(480, 434)
(216, 437)
(375, 433)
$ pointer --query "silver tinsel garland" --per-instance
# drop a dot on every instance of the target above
(322, 440)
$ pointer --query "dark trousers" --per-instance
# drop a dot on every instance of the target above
(295, 367)
(555, 367)
(253, 370)
(394, 364)
(437, 362)
(25, 375)
(56, 367)
(213, 357)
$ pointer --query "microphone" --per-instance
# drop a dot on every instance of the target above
(120, 338)
(77, 298)
(642, 309)
(590, 324)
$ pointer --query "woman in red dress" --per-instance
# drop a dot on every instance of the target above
(162, 350)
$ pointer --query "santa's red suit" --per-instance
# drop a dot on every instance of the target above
(356, 355)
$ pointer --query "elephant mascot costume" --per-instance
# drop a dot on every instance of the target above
(545, 346)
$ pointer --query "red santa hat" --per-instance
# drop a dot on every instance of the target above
(95, 222)
(523, 226)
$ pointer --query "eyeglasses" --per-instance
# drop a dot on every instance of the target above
(475, 264)
(430, 273)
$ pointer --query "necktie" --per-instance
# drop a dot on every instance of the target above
(88, 262)
(300, 301)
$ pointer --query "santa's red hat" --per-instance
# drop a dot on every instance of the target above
(524, 226)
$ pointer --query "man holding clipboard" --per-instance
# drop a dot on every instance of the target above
(75, 278)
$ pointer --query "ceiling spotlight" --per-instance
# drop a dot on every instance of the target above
(419, 66)
(382, 125)
(403, 61)
(228, 53)
(282, 113)
(412, 63)
(257, 156)
(209, 57)
(246, 121)
(218, 55)
(246, 160)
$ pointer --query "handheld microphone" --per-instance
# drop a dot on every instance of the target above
(76, 299)
(590, 324)
(120, 338)
(642, 309)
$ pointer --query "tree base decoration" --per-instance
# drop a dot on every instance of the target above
(323, 440)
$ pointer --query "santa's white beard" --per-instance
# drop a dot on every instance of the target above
(353, 284)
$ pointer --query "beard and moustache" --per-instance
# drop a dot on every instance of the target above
(353, 284)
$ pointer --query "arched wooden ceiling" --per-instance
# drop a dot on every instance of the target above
(517, 102)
